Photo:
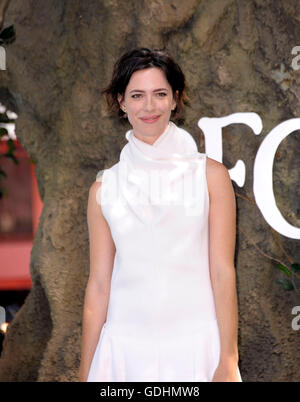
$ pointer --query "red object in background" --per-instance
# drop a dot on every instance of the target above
(19, 216)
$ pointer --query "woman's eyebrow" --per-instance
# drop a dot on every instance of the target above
(155, 90)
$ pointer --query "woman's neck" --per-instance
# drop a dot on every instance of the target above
(150, 140)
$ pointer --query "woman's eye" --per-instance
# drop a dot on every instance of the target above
(159, 94)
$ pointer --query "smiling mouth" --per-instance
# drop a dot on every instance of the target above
(150, 119)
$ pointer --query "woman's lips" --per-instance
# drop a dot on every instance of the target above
(150, 119)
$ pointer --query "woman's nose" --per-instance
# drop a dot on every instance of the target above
(149, 103)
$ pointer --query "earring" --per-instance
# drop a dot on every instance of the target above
(124, 110)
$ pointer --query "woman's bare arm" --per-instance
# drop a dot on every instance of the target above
(222, 237)
(102, 253)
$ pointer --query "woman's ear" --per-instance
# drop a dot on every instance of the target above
(122, 105)
(121, 101)
(175, 98)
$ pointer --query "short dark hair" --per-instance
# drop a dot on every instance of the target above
(139, 59)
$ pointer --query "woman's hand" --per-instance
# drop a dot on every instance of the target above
(227, 372)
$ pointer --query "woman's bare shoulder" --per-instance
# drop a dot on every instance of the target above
(95, 186)
(214, 167)
(217, 175)
(95, 193)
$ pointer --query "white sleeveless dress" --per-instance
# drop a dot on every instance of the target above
(161, 322)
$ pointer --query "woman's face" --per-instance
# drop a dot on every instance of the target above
(148, 100)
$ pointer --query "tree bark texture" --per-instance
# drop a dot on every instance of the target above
(233, 53)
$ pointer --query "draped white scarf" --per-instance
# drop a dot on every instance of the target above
(168, 173)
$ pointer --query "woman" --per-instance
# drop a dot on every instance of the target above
(160, 303)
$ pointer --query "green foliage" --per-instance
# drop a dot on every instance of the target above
(7, 35)
(284, 269)
(10, 153)
(292, 272)
(295, 267)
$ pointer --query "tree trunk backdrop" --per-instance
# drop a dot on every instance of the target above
(236, 55)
